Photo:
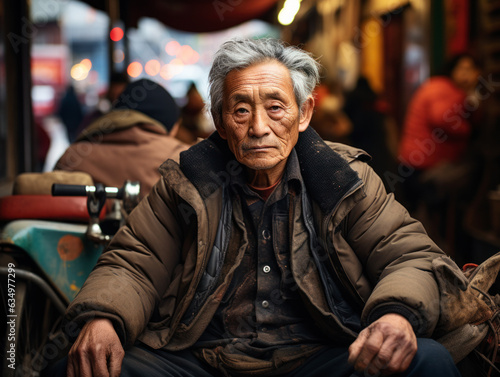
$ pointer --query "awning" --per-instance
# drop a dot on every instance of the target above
(192, 15)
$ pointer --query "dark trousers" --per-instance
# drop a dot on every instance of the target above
(431, 360)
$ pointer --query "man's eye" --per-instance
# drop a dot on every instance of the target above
(241, 110)
(275, 108)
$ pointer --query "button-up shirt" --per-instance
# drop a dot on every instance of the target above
(262, 311)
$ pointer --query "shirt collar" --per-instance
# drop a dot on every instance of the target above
(291, 174)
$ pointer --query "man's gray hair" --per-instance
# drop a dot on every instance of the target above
(242, 53)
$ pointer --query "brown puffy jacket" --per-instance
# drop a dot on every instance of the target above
(147, 278)
(122, 145)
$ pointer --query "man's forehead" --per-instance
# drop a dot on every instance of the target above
(270, 79)
(263, 93)
(266, 67)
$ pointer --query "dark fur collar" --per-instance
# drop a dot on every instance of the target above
(327, 176)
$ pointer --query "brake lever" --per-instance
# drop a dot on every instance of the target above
(95, 203)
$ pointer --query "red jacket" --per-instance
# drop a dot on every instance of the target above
(436, 128)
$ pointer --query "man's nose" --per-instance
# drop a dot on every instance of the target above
(260, 125)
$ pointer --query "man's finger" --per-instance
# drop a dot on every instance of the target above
(390, 364)
(84, 366)
(73, 362)
(357, 345)
(401, 359)
(115, 362)
(369, 350)
(99, 364)
(70, 368)
(395, 356)
(405, 364)
(385, 355)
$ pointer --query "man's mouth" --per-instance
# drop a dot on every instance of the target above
(258, 148)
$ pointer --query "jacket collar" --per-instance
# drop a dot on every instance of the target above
(327, 176)
(117, 120)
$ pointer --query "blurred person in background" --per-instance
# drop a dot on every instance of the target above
(117, 84)
(131, 141)
(435, 139)
(371, 127)
(70, 112)
(193, 125)
(329, 119)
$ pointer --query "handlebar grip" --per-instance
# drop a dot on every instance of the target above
(59, 189)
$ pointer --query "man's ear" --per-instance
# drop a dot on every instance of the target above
(306, 113)
(221, 130)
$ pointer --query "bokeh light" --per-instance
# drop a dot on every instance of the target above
(118, 56)
(134, 69)
(187, 55)
(176, 65)
(171, 69)
(172, 47)
(152, 67)
(165, 72)
(79, 72)
(116, 34)
(87, 64)
(287, 14)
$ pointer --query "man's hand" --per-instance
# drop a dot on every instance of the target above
(96, 352)
(387, 346)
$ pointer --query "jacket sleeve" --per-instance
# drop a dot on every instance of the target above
(134, 271)
(396, 254)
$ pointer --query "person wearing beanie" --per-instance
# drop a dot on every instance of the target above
(131, 141)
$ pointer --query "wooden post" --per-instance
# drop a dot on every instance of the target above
(113, 10)
(19, 31)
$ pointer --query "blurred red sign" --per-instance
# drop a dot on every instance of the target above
(48, 71)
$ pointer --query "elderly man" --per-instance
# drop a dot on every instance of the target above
(263, 252)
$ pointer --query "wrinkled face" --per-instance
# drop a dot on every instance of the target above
(260, 116)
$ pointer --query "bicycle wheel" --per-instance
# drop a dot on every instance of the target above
(27, 330)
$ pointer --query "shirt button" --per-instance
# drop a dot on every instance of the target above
(266, 269)
(266, 234)
(265, 304)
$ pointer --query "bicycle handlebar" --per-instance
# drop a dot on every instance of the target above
(59, 189)
(96, 198)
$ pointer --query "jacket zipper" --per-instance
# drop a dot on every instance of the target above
(336, 268)
(180, 314)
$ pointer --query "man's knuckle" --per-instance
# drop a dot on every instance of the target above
(372, 348)
(93, 352)
(354, 346)
(400, 338)
(384, 358)
(362, 364)
(391, 369)
(84, 352)
(79, 355)
(413, 348)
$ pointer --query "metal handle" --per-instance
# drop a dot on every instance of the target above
(59, 189)
(96, 197)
